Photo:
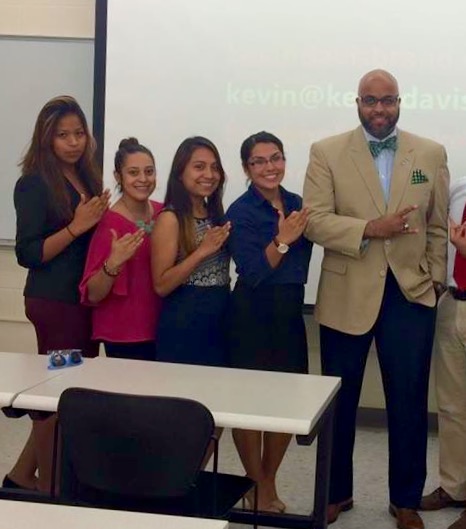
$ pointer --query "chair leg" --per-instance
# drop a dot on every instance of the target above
(53, 479)
(256, 499)
(215, 472)
(215, 465)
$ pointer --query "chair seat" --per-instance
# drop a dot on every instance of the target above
(227, 487)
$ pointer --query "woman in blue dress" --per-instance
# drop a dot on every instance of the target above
(190, 266)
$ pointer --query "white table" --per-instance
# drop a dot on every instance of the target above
(20, 372)
(27, 515)
(237, 398)
(249, 399)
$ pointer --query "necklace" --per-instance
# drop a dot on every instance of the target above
(146, 225)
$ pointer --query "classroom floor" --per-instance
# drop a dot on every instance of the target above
(297, 475)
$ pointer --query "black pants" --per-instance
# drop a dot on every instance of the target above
(403, 335)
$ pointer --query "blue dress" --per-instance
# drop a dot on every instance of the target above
(192, 326)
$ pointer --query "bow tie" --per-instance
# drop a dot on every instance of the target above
(376, 147)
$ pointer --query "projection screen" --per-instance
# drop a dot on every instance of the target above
(226, 69)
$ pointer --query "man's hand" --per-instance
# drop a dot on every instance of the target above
(439, 289)
(390, 225)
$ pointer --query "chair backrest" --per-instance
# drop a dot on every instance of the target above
(135, 446)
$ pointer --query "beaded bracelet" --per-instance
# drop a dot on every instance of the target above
(110, 272)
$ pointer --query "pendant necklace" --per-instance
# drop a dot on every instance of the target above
(141, 223)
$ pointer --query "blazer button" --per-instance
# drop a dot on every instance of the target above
(383, 273)
(387, 242)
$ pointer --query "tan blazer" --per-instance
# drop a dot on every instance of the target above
(343, 192)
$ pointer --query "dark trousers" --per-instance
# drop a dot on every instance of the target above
(403, 336)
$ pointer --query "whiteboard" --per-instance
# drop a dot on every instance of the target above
(33, 70)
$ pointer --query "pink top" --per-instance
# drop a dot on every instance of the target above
(130, 312)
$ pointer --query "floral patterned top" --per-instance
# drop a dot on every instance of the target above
(213, 271)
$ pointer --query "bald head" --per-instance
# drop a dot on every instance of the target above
(377, 76)
(378, 103)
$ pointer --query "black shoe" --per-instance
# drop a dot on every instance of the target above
(10, 484)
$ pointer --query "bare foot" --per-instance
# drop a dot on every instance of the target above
(279, 504)
(264, 501)
(271, 507)
(269, 485)
(21, 482)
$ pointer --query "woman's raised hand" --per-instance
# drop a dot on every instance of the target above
(124, 247)
(214, 238)
(291, 227)
(89, 212)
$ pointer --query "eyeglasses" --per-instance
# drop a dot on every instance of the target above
(385, 101)
(64, 358)
(261, 163)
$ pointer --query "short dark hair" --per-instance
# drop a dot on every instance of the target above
(259, 137)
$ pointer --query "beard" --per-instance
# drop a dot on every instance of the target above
(379, 131)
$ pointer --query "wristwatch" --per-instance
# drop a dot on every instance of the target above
(281, 246)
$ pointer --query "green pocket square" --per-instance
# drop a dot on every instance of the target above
(418, 177)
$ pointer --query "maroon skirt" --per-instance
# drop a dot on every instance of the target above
(61, 325)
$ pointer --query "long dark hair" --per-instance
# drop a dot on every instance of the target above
(178, 198)
(40, 159)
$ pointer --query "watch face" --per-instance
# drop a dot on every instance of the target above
(282, 248)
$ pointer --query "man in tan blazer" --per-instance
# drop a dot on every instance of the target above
(378, 199)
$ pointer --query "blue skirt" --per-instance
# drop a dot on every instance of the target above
(192, 326)
(266, 328)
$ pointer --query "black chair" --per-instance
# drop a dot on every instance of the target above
(141, 453)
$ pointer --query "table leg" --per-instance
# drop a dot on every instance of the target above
(323, 461)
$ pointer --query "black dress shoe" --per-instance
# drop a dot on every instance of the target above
(8, 483)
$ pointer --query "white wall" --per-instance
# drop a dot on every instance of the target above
(16, 333)
(47, 18)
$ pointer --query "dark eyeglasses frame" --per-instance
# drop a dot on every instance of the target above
(275, 159)
(385, 101)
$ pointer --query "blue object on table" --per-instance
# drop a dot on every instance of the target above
(60, 358)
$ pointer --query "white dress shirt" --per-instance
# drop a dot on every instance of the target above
(384, 163)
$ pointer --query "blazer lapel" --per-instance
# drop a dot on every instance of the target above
(362, 158)
(402, 167)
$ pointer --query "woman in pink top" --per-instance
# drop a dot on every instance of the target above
(117, 278)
